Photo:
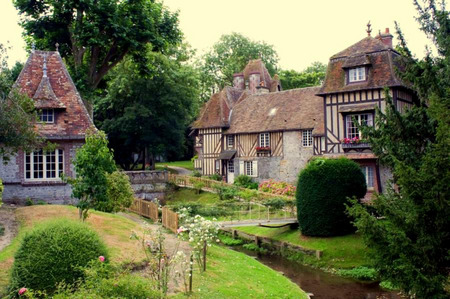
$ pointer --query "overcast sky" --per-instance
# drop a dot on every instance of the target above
(301, 31)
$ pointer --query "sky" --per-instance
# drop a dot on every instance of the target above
(301, 31)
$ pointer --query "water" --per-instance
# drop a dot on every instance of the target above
(320, 283)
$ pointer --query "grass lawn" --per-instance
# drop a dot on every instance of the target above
(230, 274)
(233, 274)
(338, 252)
(159, 167)
(185, 195)
(184, 164)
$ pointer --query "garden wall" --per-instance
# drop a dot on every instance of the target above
(148, 184)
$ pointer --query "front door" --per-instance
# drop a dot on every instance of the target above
(230, 171)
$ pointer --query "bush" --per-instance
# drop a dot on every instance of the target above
(245, 181)
(274, 187)
(52, 253)
(256, 248)
(324, 187)
(215, 177)
(361, 273)
(198, 186)
(196, 173)
(248, 195)
(119, 192)
(275, 203)
(229, 241)
(29, 202)
(225, 192)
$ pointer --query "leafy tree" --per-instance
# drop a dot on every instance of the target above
(228, 56)
(93, 162)
(119, 192)
(411, 246)
(17, 115)
(149, 114)
(311, 76)
(94, 36)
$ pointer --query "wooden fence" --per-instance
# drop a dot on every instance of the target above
(169, 219)
(209, 185)
(145, 208)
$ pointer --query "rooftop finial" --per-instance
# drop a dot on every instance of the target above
(44, 67)
(57, 47)
(369, 30)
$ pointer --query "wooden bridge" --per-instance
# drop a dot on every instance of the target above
(272, 223)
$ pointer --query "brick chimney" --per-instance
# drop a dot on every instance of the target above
(254, 79)
(386, 38)
(238, 81)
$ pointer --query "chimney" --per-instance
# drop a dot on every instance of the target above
(254, 79)
(262, 89)
(238, 81)
(386, 38)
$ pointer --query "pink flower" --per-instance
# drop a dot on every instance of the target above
(22, 291)
(101, 258)
(180, 230)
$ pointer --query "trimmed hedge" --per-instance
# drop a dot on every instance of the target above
(323, 189)
(54, 252)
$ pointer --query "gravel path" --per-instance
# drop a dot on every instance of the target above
(8, 220)
(181, 170)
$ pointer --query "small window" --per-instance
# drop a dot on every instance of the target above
(230, 141)
(47, 115)
(264, 140)
(231, 166)
(353, 120)
(307, 139)
(368, 173)
(41, 165)
(357, 74)
(248, 168)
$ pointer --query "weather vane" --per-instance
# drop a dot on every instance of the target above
(369, 30)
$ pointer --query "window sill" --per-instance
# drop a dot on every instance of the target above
(43, 183)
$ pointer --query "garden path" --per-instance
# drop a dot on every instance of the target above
(181, 170)
(8, 220)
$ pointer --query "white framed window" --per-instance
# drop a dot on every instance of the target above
(47, 115)
(368, 173)
(248, 166)
(307, 138)
(230, 141)
(353, 120)
(357, 74)
(231, 166)
(217, 166)
(40, 165)
(264, 140)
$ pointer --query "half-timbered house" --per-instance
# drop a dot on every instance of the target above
(63, 120)
(354, 86)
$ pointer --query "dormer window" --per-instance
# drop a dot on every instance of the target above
(47, 115)
(357, 74)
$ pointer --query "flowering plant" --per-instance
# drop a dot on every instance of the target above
(280, 188)
(200, 232)
(263, 148)
(354, 140)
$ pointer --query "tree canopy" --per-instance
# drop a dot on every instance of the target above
(311, 76)
(149, 115)
(94, 36)
(228, 56)
(411, 245)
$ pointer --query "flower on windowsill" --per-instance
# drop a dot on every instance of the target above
(263, 148)
(354, 140)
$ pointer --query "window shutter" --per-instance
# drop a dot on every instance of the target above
(255, 169)
(241, 167)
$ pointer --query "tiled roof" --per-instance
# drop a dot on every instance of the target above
(56, 90)
(277, 111)
(258, 66)
(370, 51)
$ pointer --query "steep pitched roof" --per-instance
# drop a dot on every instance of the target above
(46, 80)
(382, 61)
(285, 110)
(257, 65)
(215, 113)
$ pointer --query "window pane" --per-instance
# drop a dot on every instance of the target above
(60, 162)
(231, 166)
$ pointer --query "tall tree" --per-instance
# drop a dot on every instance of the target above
(228, 56)
(149, 114)
(95, 35)
(411, 245)
(311, 76)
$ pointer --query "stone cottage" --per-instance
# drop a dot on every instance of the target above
(63, 120)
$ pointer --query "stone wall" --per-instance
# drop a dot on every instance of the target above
(287, 167)
(148, 184)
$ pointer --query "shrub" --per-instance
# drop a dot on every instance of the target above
(324, 187)
(256, 248)
(225, 192)
(198, 186)
(216, 177)
(274, 187)
(29, 202)
(361, 273)
(245, 181)
(52, 253)
(229, 241)
(119, 192)
(248, 195)
(2, 230)
(275, 203)
(196, 173)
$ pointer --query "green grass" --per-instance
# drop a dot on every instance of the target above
(342, 252)
(186, 195)
(173, 171)
(233, 274)
(184, 164)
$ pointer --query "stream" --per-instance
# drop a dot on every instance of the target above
(319, 283)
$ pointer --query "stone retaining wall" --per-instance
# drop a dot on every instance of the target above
(148, 184)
